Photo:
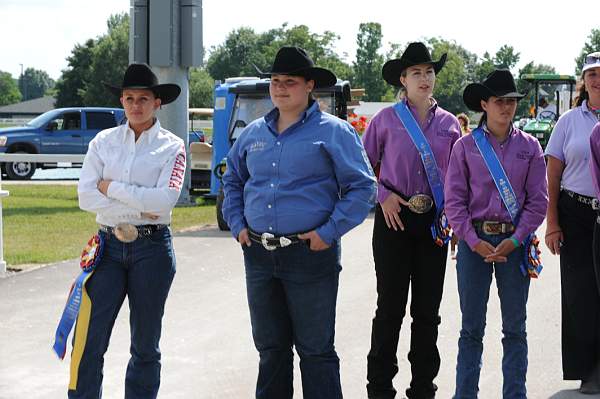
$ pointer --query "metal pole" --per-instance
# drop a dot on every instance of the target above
(174, 117)
(3, 193)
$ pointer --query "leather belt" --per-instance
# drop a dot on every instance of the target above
(584, 199)
(270, 242)
(126, 232)
(493, 228)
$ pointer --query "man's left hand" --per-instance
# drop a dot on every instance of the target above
(316, 244)
(103, 186)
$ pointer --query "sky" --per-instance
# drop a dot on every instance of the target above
(41, 33)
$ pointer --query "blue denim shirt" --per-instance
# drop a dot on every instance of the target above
(314, 175)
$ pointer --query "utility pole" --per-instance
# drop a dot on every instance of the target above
(167, 35)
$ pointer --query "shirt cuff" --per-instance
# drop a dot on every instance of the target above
(382, 193)
(520, 234)
(472, 239)
(327, 233)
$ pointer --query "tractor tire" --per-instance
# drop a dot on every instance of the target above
(19, 170)
(220, 220)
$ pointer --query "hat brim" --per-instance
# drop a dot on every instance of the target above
(392, 70)
(167, 92)
(475, 92)
(322, 77)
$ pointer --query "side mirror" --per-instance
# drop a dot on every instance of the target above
(52, 126)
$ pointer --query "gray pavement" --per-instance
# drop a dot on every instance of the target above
(207, 346)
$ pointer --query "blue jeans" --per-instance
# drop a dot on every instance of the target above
(292, 294)
(143, 270)
(474, 278)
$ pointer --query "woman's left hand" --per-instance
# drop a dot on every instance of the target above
(502, 251)
(316, 243)
(103, 186)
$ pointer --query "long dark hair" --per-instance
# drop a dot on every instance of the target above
(581, 92)
(483, 119)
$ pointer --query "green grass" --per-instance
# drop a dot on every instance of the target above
(43, 223)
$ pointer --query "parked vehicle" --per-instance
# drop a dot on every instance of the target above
(239, 101)
(59, 131)
(62, 131)
(559, 89)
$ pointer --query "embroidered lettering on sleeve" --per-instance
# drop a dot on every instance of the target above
(178, 171)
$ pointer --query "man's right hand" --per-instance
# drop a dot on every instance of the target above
(244, 238)
(391, 211)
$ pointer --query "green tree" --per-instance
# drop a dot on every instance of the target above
(236, 56)
(592, 45)
(367, 67)
(243, 48)
(454, 76)
(71, 86)
(506, 57)
(9, 91)
(484, 68)
(201, 88)
(110, 59)
(34, 83)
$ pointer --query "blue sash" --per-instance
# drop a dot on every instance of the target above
(531, 265)
(440, 230)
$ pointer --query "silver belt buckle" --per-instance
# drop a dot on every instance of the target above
(420, 203)
(263, 239)
(595, 204)
(125, 232)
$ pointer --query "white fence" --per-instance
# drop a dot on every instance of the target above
(74, 158)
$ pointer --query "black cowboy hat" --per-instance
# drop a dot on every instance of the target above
(140, 76)
(499, 83)
(415, 54)
(295, 62)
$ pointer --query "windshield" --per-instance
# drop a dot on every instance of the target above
(248, 108)
(326, 102)
(43, 119)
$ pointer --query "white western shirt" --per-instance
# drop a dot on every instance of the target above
(147, 175)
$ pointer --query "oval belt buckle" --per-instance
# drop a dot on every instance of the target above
(420, 203)
(125, 232)
(264, 240)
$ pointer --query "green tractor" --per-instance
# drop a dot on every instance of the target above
(553, 96)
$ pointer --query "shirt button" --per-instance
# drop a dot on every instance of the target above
(495, 214)
(418, 172)
(272, 185)
(270, 228)
(274, 164)
(269, 206)
(278, 143)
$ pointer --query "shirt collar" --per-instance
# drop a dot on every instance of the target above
(511, 132)
(151, 133)
(432, 109)
(273, 115)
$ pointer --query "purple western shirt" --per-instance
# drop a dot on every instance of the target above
(570, 143)
(471, 193)
(388, 144)
(595, 158)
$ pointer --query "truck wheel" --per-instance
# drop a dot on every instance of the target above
(220, 221)
(19, 170)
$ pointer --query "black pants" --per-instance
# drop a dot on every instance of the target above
(579, 291)
(402, 259)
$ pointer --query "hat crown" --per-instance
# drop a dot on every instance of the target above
(416, 52)
(500, 82)
(139, 75)
(290, 59)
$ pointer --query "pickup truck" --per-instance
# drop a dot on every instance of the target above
(59, 131)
